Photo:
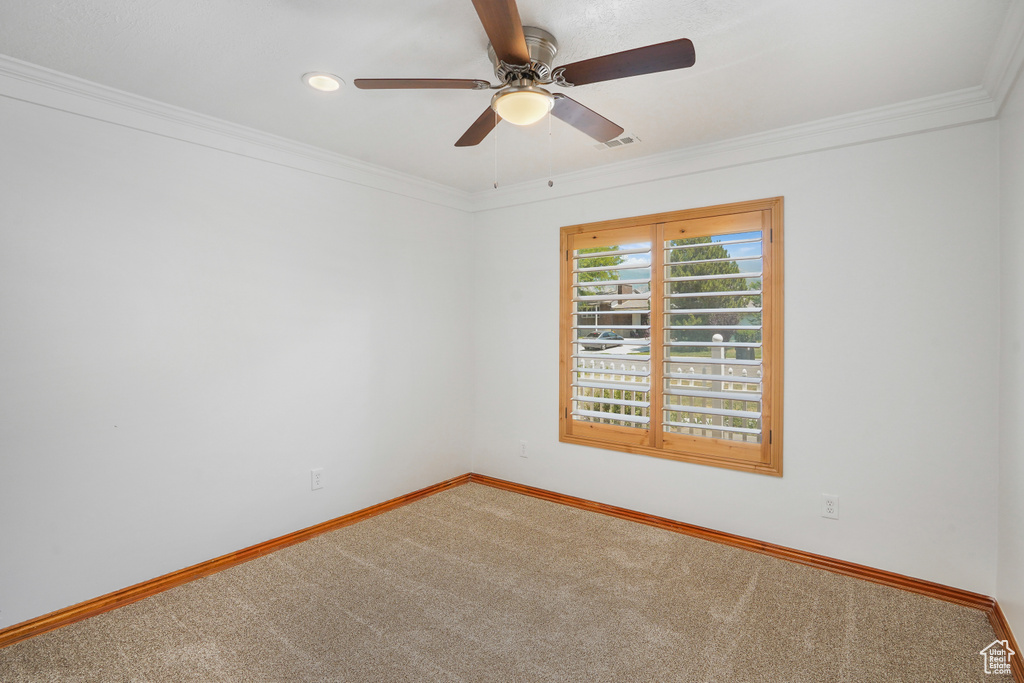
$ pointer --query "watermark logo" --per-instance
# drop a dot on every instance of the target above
(997, 657)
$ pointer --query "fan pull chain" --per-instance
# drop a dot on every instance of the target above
(495, 150)
(551, 183)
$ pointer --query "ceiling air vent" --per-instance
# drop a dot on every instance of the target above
(619, 142)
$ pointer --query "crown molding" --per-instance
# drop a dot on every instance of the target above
(38, 85)
(906, 118)
(1004, 66)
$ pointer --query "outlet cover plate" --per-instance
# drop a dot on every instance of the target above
(829, 506)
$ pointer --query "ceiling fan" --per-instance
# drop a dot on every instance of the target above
(522, 58)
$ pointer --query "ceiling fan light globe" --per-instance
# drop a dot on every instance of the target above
(523, 106)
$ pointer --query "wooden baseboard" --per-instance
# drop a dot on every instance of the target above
(111, 601)
(934, 590)
(858, 571)
(125, 596)
(1003, 632)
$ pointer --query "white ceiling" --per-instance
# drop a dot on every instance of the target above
(761, 65)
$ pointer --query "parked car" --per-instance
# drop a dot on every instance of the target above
(607, 337)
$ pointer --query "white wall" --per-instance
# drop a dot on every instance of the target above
(185, 332)
(891, 357)
(1010, 588)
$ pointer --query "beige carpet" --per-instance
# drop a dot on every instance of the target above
(478, 584)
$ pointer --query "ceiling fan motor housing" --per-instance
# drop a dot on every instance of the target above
(542, 47)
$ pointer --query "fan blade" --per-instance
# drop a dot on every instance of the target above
(480, 128)
(504, 29)
(675, 54)
(585, 119)
(420, 83)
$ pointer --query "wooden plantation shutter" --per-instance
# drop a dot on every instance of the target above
(713, 334)
(672, 335)
(609, 301)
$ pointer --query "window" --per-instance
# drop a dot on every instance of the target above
(671, 335)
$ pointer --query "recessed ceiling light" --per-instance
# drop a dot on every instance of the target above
(322, 81)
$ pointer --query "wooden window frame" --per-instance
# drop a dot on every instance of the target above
(763, 458)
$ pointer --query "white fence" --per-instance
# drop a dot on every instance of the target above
(705, 393)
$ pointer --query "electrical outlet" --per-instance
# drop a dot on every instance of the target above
(522, 449)
(316, 479)
(829, 506)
